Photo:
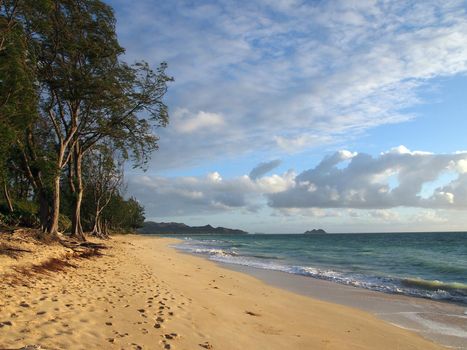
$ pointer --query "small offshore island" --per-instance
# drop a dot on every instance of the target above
(315, 231)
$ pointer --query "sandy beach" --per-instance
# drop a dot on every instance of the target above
(142, 294)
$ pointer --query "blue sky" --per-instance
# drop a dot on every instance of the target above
(355, 110)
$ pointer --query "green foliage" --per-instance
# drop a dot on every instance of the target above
(18, 91)
(25, 214)
(64, 223)
(142, 94)
(124, 215)
(64, 92)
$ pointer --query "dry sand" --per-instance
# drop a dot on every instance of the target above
(141, 294)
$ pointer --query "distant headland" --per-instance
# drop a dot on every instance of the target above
(319, 231)
(180, 228)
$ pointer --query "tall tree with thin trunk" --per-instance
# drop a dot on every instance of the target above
(104, 178)
(115, 116)
(75, 42)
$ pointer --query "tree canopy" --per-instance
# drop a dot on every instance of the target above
(71, 108)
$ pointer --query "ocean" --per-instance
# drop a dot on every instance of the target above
(427, 265)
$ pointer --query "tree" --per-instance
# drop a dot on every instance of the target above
(18, 92)
(123, 215)
(104, 178)
(73, 41)
(88, 94)
(64, 93)
(115, 116)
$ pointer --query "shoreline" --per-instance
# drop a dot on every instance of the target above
(442, 322)
(143, 294)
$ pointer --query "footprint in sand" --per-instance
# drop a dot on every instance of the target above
(252, 313)
(166, 345)
(206, 345)
(6, 323)
(170, 336)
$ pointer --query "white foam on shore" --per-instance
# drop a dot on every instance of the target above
(435, 327)
(375, 283)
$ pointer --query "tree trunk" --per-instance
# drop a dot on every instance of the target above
(76, 228)
(7, 197)
(61, 162)
(105, 230)
(53, 225)
(97, 229)
(44, 210)
(34, 175)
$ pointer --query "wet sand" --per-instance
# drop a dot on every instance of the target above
(142, 294)
(444, 323)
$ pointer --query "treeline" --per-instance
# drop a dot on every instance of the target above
(72, 114)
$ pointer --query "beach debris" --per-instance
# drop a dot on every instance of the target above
(206, 345)
(251, 313)
(32, 347)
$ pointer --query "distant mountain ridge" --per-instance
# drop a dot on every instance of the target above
(180, 228)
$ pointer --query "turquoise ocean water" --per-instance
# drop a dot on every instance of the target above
(428, 265)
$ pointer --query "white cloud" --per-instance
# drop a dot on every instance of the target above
(207, 194)
(214, 177)
(290, 75)
(186, 123)
(460, 166)
(385, 215)
(365, 182)
(404, 150)
(361, 189)
(275, 183)
(446, 197)
(428, 216)
(299, 142)
(308, 212)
